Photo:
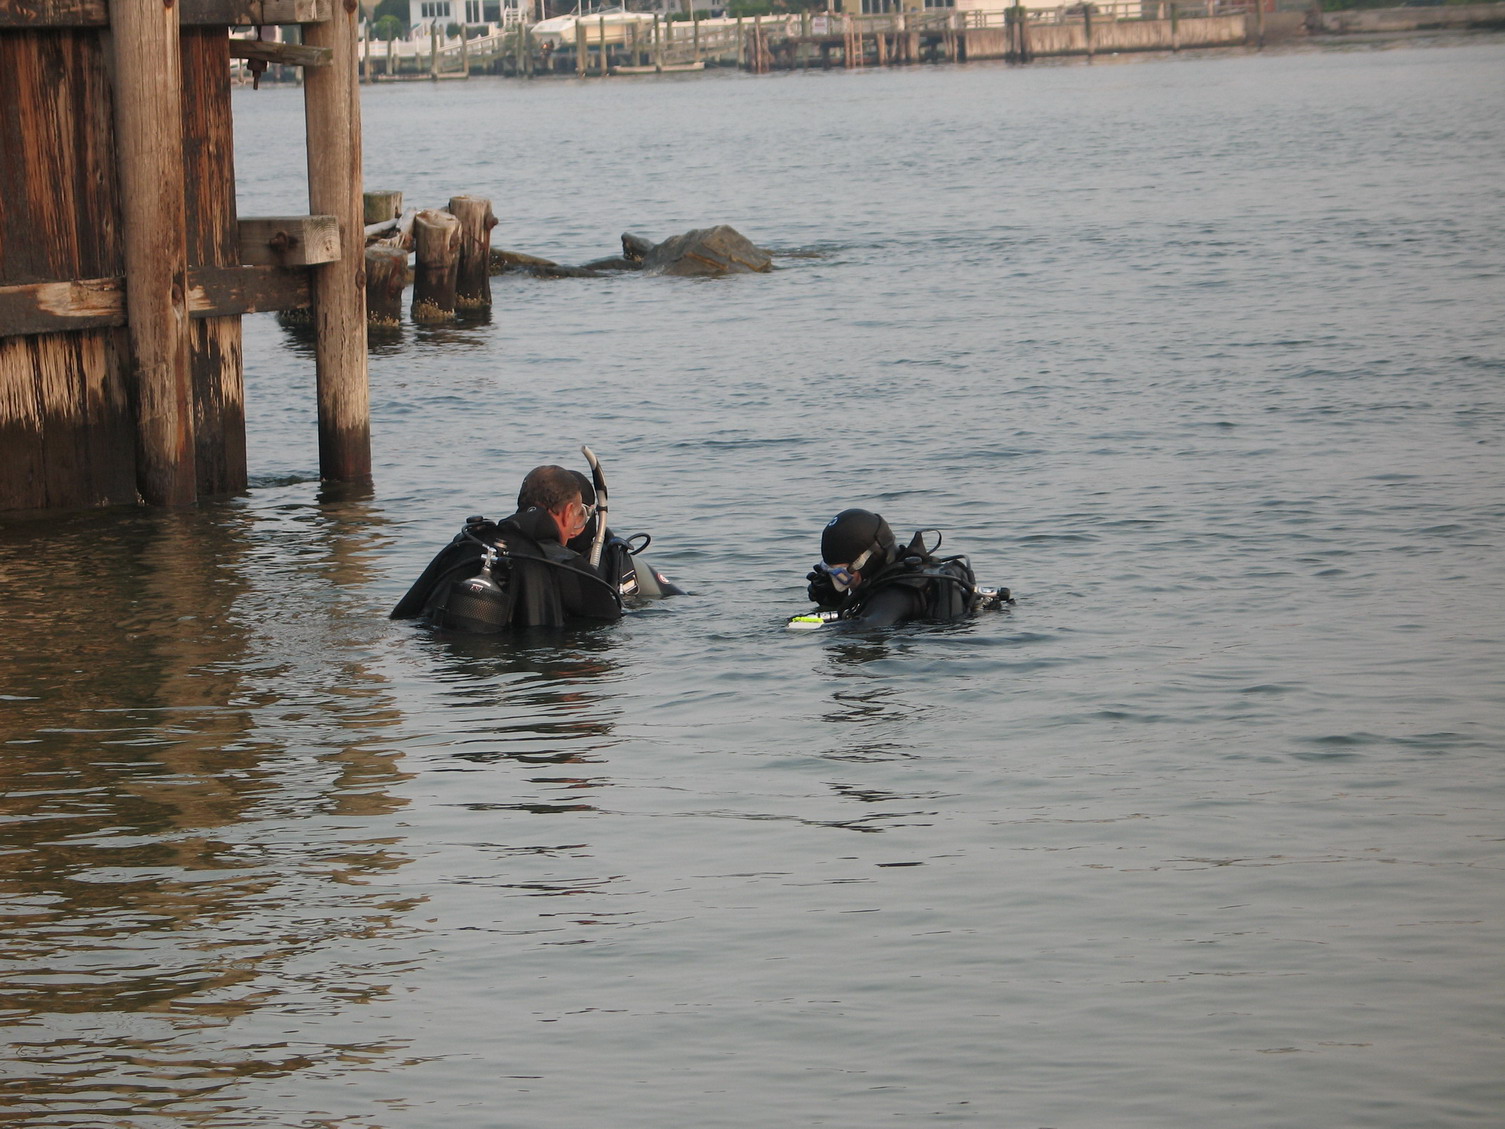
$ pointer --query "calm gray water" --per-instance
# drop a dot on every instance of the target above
(1202, 356)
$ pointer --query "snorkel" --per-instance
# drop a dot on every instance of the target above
(600, 481)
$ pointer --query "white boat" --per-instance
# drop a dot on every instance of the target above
(609, 26)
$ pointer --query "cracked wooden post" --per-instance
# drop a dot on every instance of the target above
(332, 115)
(473, 278)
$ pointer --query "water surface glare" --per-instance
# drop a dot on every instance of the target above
(1202, 356)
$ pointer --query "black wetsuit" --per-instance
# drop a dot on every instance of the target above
(916, 586)
(531, 581)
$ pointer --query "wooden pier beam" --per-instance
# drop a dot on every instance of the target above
(332, 115)
(148, 106)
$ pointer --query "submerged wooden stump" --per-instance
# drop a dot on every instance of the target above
(436, 250)
(503, 261)
(386, 279)
(473, 279)
(382, 206)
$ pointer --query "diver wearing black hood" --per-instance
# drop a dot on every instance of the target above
(517, 572)
(867, 578)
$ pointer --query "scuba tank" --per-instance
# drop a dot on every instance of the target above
(475, 603)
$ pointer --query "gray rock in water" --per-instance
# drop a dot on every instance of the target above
(710, 250)
(635, 247)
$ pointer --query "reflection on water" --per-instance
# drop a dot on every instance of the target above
(535, 697)
(168, 723)
(469, 331)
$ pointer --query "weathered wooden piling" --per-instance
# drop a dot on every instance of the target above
(473, 269)
(380, 206)
(386, 279)
(436, 254)
(332, 120)
(215, 357)
(148, 91)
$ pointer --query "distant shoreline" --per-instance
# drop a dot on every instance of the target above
(883, 42)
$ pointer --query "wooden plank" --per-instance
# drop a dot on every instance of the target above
(250, 13)
(92, 303)
(111, 441)
(224, 291)
(66, 434)
(284, 54)
(290, 241)
(51, 307)
(191, 13)
(58, 183)
(63, 406)
(39, 155)
(21, 463)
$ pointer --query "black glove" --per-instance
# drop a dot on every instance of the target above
(822, 591)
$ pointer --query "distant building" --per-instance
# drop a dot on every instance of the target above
(1124, 9)
(882, 7)
(425, 13)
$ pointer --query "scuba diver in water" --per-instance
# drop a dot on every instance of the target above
(866, 578)
(517, 572)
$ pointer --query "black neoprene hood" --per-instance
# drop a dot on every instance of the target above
(853, 532)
